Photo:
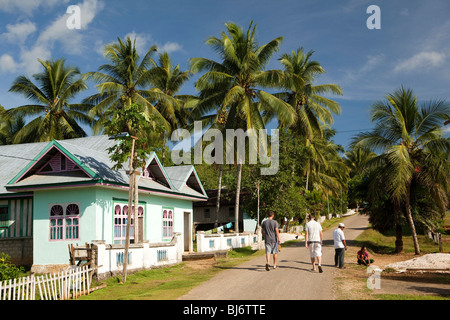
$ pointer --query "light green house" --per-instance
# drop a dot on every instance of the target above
(65, 192)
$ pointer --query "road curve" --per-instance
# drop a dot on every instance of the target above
(292, 280)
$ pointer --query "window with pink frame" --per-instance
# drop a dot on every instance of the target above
(120, 222)
(65, 222)
(167, 220)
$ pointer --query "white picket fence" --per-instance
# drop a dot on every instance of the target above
(63, 285)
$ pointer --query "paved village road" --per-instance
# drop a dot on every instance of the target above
(293, 280)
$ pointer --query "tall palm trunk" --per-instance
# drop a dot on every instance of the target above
(238, 192)
(219, 191)
(307, 177)
(398, 238)
(410, 219)
(398, 229)
(163, 150)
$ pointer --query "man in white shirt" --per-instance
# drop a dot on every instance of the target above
(339, 246)
(313, 241)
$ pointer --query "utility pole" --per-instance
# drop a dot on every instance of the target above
(130, 203)
(257, 208)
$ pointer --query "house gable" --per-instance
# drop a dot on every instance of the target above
(156, 171)
(52, 159)
(193, 182)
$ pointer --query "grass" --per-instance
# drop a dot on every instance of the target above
(328, 224)
(167, 283)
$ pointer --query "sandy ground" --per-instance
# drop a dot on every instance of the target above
(351, 283)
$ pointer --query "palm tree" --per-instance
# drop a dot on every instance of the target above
(325, 169)
(410, 138)
(312, 109)
(355, 158)
(167, 80)
(55, 117)
(235, 84)
(9, 127)
(123, 81)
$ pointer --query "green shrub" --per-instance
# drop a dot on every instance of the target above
(7, 269)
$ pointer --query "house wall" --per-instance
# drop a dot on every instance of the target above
(154, 209)
(97, 220)
(46, 252)
(153, 213)
(227, 241)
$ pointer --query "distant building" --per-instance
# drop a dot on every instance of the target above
(205, 212)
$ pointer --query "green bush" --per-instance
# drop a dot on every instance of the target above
(7, 269)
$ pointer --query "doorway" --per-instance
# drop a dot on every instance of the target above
(187, 232)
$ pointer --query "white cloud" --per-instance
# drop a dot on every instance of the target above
(447, 129)
(7, 63)
(29, 59)
(71, 39)
(19, 32)
(170, 47)
(57, 33)
(144, 41)
(357, 75)
(421, 60)
(27, 7)
(404, 12)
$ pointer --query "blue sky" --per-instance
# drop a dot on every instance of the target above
(412, 48)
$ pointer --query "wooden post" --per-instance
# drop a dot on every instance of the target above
(130, 203)
(135, 207)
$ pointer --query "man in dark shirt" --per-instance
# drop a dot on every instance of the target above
(271, 236)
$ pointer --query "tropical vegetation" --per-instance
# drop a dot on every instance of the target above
(398, 172)
(53, 115)
(411, 172)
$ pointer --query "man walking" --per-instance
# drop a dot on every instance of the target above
(313, 241)
(271, 236)
(340, 246)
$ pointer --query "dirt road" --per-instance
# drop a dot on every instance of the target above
(293, 280)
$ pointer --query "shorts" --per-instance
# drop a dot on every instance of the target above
(315, 249)
(272, 248)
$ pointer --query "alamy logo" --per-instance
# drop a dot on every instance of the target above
(374, 281)
(258, 147)
(374, 21)
(74, 20)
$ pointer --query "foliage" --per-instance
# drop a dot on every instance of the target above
(54, 116)
(7, 269)
(283, 192)
(132, 120)
(233, 87)
(413, 150)
(124, 80)
(312, 109)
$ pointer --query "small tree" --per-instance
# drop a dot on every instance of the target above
(133, 129)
